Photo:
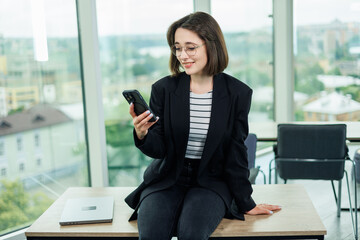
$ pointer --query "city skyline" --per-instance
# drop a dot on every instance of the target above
(153, 19)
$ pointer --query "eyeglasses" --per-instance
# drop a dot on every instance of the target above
(190, 49)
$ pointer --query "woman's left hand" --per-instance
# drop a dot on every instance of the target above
(266, 209)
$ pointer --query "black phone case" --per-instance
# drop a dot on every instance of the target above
(140, 106)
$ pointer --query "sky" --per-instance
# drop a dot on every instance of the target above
(117, 17)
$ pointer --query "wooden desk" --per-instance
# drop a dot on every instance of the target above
(267, 131)
(298, 218)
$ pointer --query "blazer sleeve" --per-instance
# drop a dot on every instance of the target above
(236, 168)
(153, 144)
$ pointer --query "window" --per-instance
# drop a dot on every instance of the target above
(248, 31)
(133, 55)
(39, 66)
(21, 167)
(19, 143)
(37, 140)
(2, 148)
(326, 50)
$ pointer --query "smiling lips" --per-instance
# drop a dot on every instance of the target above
(187, 64)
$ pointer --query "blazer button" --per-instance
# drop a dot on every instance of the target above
(213, 170)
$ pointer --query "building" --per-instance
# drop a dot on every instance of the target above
(335, 81)
(332, 107)
(22, 97)
(39, 140)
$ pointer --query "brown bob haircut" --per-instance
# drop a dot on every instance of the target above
(206, 27)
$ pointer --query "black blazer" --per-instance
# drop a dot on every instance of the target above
(223, 166)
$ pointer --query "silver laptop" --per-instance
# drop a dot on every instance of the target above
(87, 210)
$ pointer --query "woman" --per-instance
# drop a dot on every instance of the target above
(200, 172)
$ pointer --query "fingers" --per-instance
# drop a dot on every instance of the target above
(263, 209)
(275, 207)
(270, 207)
(143, 119)
(131, 110)
(266, 212)
(141, 122)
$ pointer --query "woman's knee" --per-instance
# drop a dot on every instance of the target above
(154, 225)
(158, 213)
(192, 233)
(202, 212)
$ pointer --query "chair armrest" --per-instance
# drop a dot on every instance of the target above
(275, 149)
(253, 174)
(310, 160)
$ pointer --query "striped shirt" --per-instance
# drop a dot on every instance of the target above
(200, 111)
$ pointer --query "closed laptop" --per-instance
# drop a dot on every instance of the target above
(87, 210)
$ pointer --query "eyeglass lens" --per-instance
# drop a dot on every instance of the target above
(190, 50)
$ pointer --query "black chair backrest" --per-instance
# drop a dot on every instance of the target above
(311, 141)
(250, 143)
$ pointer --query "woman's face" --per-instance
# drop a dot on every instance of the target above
(193, 64)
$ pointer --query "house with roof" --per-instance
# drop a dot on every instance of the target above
(335, 81)
(332, 107)
(38, 142)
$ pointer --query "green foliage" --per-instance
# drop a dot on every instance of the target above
(342, 53)
(310, 86)
(145, 66)
(306, 79)
(254, 78)
(355, 75)
(18, 208)
(299, 115)
(16, 110)
(303, 45)
(79, 149)
(353, 90)
(119, 133)
(139, 69)
(335, 71)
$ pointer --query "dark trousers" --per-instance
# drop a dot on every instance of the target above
(186, 210)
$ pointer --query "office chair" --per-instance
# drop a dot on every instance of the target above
(250, 143)
(316, 152)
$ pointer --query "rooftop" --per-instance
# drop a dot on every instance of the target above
(333, 103)
(36, 117)
(333, 81)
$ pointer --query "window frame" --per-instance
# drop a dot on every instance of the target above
(91, 78)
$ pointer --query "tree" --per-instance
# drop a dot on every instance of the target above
(353, 90)
(16, 110)
(306, 79)
(18, 208)
(119, 133)
(254, 78)
(335, 71)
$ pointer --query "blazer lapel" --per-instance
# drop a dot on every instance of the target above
(219, 115)
(180, 114)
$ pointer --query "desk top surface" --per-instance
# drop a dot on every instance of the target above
(297, 217)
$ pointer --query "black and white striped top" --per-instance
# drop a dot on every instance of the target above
(200, 111)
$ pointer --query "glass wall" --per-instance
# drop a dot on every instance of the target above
(42, 134)
(248, 30)
(327, 60)
(133, 55)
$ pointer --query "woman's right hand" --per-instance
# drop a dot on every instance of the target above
(141, 122)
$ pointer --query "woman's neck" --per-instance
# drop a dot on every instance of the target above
(201, 84)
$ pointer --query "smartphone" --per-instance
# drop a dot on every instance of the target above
(140, 106)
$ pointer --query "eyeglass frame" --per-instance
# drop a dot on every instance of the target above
(185, 49)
